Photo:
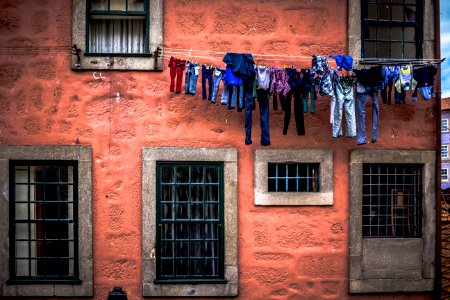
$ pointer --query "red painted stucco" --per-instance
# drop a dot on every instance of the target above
(284, 252)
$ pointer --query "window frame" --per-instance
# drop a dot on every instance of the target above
(83, 287)
(29, 279)
(323, 157)
(442, 174)
(150, 157)
(380, 265)
(444, 128)
(117, 61)
(418, 25)
(221, 224)
(445, 146)
(354, 32)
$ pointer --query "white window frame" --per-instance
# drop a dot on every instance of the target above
(444, 128)
(444, 150)
(446, 175)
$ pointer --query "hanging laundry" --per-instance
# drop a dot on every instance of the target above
(219, 76)
(176, 71)
(343, 88)
(404, 83)
(279, 84)
(207, 75)
(425, 80)
(192, 72)
(390, 75)
(362, 95)
(263, 77)
(263, 96)
(343, 61)
(309, 90)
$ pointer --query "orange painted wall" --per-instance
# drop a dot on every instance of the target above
(285, 252)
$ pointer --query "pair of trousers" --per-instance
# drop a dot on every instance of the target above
(298, 111)
(263, 97)
(386, 93)
(176, 67)
(235, 90)
(361, 100)
(192, 71)
(207, 74)
(219, 75)
(275, 102)
(344, 101)
(310, 94)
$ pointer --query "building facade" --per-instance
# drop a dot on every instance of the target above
(113, 175)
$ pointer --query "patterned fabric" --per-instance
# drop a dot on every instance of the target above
(279, 82)
(319, 64)
(405, 79)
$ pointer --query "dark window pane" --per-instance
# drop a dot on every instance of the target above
(212, 175)
(167, 193)
(410, 50)
(197, 175)
(410, 34)
(384, 12)
(197, 211)
(397, 13)
(197, 193)
(372, 11)
(182, 174)
(370, 49)
(136, 5)
(182, 193)
(383, 49)
(167, 174)
(272, 169)
(182, 211)
(99, 4)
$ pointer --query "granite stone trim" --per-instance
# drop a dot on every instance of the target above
(84, 156)
(381, 264)
(117, 62)
(324, 157)
(230, 159)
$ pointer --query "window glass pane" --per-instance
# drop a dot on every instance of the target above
(410, 13)
(117, 4)
(182, 211)
(212, 175)
(372, 11)
(167, 211)
(396, 50)
(99, 4)
(410, 34)
(182, 193)
(396, 33)
(369, 49)
(410, 50)
(397, 12)
(136, 5)
(182, 174)
(383, 33)
(167, 174)
(167, 194)
(383, 11)
(21, 192)
(383, 49)
(21, 174)
(197, 175)
(371, 32)
(22, 267)
(197, 211)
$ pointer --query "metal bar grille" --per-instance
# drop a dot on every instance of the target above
(391, 29)
(293, 177)
(43, 214)
(392, 200)
(190, 221)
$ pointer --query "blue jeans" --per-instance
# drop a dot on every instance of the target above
(190, 83)
(311, 94)
(207, 74)
(218, 77)
(263, 100)
(234, 95)
(361, 100)
(344, 102)
(225, 93)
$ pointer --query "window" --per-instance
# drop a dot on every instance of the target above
(391, 29)
(444, 174)
(293, 177)
(392, 221)
(43, 238)
(117, 34)
(444, 125)
(444, 151)
(189, 222)
(117, 27)
(392, 196)
(47, 215)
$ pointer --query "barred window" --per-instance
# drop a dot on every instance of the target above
(190, 222)
(444, 174)
(444, 151)
(43, 227)
(391, 28)
(293, 177)
(392, 197)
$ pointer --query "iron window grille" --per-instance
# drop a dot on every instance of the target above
(117, 27)
(293, 177)
(190, 222)
(43, 221)
(392, 200)
(392, 29)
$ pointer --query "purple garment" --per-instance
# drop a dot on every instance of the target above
(279, 82)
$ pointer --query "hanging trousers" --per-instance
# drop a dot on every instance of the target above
(297, 94)
(344, 101)
(176, 67)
